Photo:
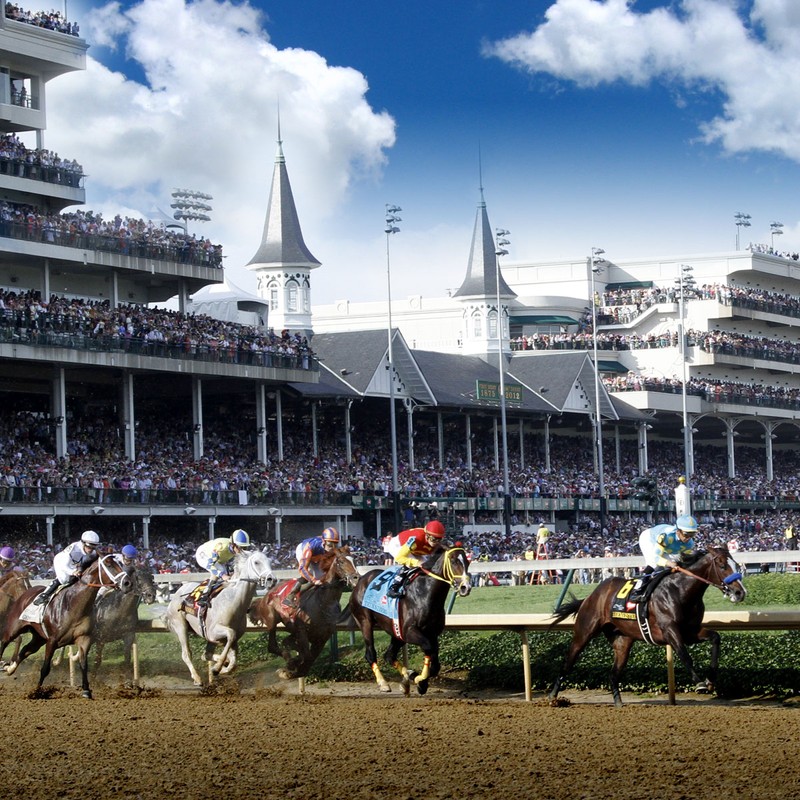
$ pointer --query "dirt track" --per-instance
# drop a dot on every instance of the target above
(347, 741)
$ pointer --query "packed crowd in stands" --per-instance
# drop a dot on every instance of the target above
(714, 391)
(164, 459)
(124, 235)
(73, 322)
(39, 164)
(52, 20)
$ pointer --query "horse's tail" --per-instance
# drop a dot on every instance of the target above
(566, 610)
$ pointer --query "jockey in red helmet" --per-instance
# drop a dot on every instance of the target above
(409, 548)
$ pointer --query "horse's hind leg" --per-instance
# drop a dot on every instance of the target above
(580, 638)
(622, 649)
(370, 655)
(31, 646)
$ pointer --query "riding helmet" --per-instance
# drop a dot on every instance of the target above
(240, 538)
(330, 535)
(90, 537)
(129, 551)
(7, 553)
(435, 528)
(687, 523)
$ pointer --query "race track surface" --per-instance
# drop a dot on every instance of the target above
(348, 741)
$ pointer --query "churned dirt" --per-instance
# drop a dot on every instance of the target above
(256, 737)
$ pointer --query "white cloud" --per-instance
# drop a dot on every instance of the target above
(206, 118)
(695, 44)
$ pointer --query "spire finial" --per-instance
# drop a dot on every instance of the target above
(480, 174)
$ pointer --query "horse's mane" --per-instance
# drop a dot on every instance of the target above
(689, 560)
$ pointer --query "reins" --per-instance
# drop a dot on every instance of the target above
(720, 584)
(448, 575)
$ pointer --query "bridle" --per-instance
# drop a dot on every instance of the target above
(449, 575)
(104, 572)
(723, 584)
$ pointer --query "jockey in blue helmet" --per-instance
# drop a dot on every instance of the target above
(127, 556)
(663, 546)
(215, 556)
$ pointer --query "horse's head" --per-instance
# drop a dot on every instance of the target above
(454, 566)
(344, 568)
(723, 572)
(256, 566)
(109, 573)
(143, 584)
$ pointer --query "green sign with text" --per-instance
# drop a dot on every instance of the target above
(490, 391)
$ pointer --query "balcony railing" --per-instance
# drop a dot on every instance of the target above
(182, 251)
(138, 346)
(22, 168)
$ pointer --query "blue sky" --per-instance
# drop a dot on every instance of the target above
(637, 127)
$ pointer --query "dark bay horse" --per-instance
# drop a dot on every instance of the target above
(118, 614)
(420, 618)
(309, 630)
(675, 616)
(68, 618)
(12, 585)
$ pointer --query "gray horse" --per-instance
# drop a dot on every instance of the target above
(226, 619)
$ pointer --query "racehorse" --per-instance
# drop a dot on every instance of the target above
(310, 629)
(674, 616)
(12, 585)
(68, 618)
(420, 618)
(118, 614)
(225, 621)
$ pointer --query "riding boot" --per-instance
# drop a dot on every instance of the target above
(42, 598)
(205, 599)
(397, 589)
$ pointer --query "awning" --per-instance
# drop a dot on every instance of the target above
(611, 366)
(612, 287)
(542, 319)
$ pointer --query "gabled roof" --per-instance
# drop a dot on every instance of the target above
(282, 241)
(481, 279)
(565, 379)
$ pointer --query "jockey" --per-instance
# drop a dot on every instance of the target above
(127, 556)
(214, 556)
(662, 547)
(6, 560)
(70, 563)
(408, 548)
(309, 553)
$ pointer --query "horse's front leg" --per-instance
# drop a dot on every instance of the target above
(221, 659)
(682, 651)
(709, 635)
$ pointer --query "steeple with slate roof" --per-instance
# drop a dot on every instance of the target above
(283, 263)
(478, 293)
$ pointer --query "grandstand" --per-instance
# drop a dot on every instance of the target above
(178, 424)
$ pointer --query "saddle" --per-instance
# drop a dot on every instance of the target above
(289, 612)
(190, 605)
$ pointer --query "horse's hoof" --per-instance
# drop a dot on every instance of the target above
(703, 688)
(11, 668)
(284, 674)
(384, 687)
(86, 694)
(422, 687)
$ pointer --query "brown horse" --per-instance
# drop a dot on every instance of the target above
(68, 618)
(421, 615)
(12, 585)
(311, 627)
(674, 616)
